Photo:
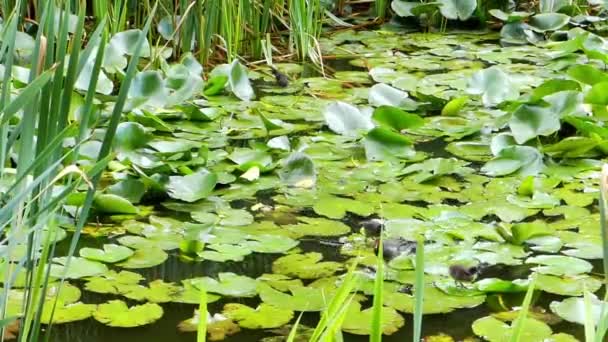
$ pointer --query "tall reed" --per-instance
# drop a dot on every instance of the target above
(34, 123)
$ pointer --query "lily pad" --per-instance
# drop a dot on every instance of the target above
(66, 313)
(567, 286)
(494, 330)
(560, 265)
(264, 316)
(228, 284)
(359, 322)
(116, 313)
(110, 254)
(301, 298)
(494, 86)
(145, 258)
(192, 187)
(78, 268)
(305, 266)
(573, 309)
(346, 119)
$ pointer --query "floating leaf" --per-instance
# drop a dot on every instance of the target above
(300, 299)
(548, 22)
(145, 258)
(78, 268)
(395, 118)
(224, 252)
(66, 313)
(494, 85)
(228, 284)
(111, 253)
(112, 282)
(494, 330)
(382, 144)
(298, 171)
(305, 266)
(113, 204)
(116, 313)
(574, 309)
(384, 95)
(359, 322)
(192, 187)
(346, 119)
(457, 9)
(528, 122)
(218, 326)
(264, 316)
(567, 286)
(559, 265)
(336, 207)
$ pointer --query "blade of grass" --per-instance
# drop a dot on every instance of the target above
(294, 330)
(378, 301)
(201, 329)
(518, 327)
(419, 290)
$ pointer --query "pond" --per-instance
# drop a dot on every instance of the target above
(450, 136)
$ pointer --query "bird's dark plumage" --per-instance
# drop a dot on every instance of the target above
(281, 78)
(462, 273)
(373, 227)
(392, 248)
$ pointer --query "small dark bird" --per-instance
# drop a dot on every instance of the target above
(281, 78)
(373, 227)
(393, 248)
(466, 274)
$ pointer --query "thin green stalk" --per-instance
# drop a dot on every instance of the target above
(378, 301)
(419, 290)
(202, 317)
(518, 326)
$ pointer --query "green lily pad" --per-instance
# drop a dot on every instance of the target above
(457, 9)
(359, 322)
(313, 226)
(228, 284)
(66, 313)
(113, 204)
(112, 282)
(264, 316)
(559, 265)
(167, 242)
(548, 22)
(346, 119)
(489, 285)
(300, 299)
(573, 309)
(567, 286)
(78, 268)
(192, 187)
(110, 254)
(382, 144)
(395, 118)
(145, 258)
(494, 86)
(336, 207)
(270, 243)
(494, 330)
(305, 266)
(224, 252)
(280, 282)
(218, 327)
(435, 301)
(116, 313)
(384, 95)
(298, 171)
